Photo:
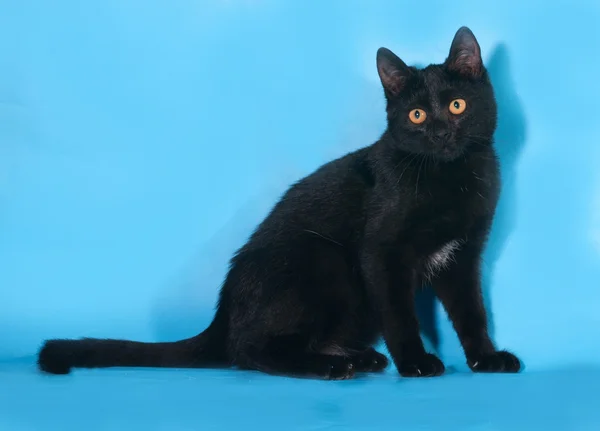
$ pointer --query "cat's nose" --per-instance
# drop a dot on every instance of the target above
(442, 135)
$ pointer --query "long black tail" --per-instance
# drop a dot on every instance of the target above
(206, 350)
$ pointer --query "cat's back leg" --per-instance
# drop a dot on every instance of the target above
(293, 356)
(292, 301)
(290, 355)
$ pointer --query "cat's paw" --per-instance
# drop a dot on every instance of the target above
(427, 365)
(497, 362)
(338, 368)
(371, 361)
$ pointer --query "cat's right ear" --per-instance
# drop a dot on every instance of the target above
(393, 72)
(465, 54)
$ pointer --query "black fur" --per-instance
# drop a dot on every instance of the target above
(337, 262)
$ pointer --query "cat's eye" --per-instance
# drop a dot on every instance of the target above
(417, 116)
(458, 106)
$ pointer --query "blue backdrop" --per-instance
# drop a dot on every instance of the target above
(140, 142)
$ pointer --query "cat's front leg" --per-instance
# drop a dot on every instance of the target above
(459, 289)
(391, 284)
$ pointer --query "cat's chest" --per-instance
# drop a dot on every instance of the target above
(450, 202)
(444, 214)
(441, 258)
(455, 196)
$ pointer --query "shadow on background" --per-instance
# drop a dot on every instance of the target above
(510, 140)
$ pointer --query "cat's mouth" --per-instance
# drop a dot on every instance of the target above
(445, 148)
(450, 152)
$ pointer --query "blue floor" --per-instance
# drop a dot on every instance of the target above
(178, 400)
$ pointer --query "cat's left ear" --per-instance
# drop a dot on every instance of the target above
(465, 54)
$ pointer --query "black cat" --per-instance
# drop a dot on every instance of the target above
(337, 262)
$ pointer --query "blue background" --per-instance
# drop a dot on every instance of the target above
(141, 142)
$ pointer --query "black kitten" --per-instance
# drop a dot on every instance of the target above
(337, 262)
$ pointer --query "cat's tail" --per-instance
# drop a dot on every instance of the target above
(206, 350)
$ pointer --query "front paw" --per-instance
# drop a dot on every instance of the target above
(427, 365)
(497, 362)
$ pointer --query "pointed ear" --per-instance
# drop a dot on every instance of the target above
(393, 72)
(465, 54)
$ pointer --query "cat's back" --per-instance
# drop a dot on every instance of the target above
(330, 201)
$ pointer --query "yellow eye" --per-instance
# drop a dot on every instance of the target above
(458, 106)
(417, 116)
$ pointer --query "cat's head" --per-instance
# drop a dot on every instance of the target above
(444, 109)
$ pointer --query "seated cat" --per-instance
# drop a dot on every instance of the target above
(336, 263)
